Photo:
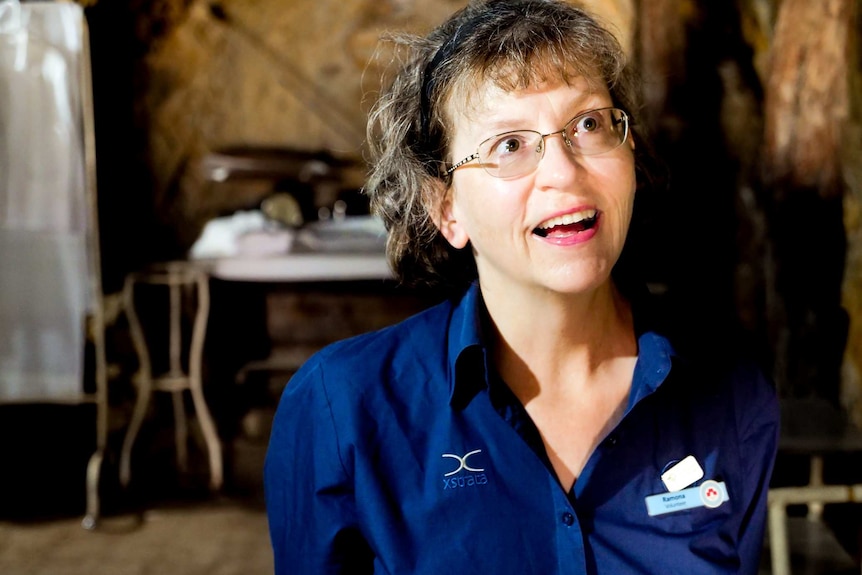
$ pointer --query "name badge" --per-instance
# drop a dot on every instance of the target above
(708, 494)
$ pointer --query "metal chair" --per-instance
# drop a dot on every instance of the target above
(812, 428)
(176, 277)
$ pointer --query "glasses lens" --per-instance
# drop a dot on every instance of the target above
(511, 154)
(514, 154)
(598, 131)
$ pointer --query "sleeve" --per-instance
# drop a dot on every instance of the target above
(758, 417)
(309, 494)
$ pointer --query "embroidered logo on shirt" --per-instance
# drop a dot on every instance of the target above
(471, 476)
(462, 462)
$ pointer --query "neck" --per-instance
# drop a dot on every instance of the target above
(549, 341)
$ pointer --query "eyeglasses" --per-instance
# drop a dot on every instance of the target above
(513, 154)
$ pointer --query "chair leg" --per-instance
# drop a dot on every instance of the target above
(815, 479)
(94, 470)
(778, 542)
(208, 427)
(143, 379)
(181, 430)
(210, 434)
(140, 411)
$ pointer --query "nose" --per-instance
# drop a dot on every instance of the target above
(558, 164)
(562, 133)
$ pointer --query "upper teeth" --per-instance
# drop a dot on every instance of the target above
(568, 219)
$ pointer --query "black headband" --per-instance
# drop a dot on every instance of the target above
(429, 81)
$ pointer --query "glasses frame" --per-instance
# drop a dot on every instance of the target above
(541, 148)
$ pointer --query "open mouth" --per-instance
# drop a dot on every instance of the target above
(567, 224)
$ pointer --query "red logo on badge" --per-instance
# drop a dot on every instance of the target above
(711, 493)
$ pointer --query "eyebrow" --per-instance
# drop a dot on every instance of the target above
(504, 125)
(501, 125)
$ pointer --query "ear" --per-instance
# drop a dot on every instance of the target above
(446, 218)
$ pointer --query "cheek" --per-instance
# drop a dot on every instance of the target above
(488, 206)
(623, 190)
(629, 203)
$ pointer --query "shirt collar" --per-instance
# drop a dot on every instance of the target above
(467, 359)
(656, 354)
(655, 357)
(468, 367)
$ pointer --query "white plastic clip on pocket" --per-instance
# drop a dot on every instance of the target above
(682, 474)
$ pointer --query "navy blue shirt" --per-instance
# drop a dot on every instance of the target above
(399, 452)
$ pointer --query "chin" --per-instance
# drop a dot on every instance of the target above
(578, 285)
(577, 277)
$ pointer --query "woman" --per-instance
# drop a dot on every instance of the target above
(533, 423)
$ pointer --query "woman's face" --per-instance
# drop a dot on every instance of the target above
(560, 227)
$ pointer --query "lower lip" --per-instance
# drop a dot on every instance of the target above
(575, 238)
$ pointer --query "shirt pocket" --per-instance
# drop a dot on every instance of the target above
(693, 520)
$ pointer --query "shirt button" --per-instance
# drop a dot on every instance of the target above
(611, 441)
(568, 519)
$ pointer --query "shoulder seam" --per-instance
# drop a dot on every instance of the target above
(319, 369)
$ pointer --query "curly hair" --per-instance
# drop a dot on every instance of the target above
(512, 44)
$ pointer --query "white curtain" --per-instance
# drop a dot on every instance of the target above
(43, 205)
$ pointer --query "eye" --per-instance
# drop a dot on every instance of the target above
(505, 147)
(508, 145)
(590, 123)
(505, 152)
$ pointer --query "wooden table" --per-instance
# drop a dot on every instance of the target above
(301, 267)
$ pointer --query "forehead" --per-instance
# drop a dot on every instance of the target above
(486, 100)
